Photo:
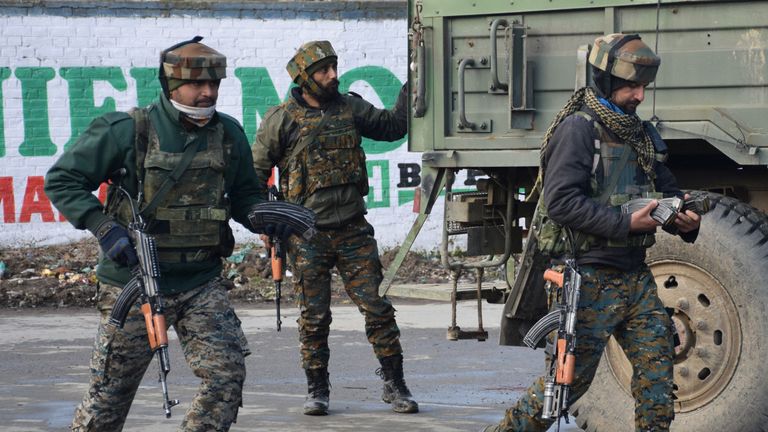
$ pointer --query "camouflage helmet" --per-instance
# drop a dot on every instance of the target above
(625, 57)
(309, 58)
(190, 61)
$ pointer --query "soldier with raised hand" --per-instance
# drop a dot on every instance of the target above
(314, 138)
(188, 169)
(597, 155)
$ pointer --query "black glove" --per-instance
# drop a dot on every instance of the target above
(279, 230)
(400, 109)
(116, 244)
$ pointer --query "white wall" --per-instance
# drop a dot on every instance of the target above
(48, 46)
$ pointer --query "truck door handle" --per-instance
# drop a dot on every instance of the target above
(495, 83)
(463, 122)
(421, 85)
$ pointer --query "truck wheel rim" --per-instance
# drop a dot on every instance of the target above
(707, 322)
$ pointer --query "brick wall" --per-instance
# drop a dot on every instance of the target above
(63, 63)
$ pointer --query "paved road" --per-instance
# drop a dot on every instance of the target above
(459, 385)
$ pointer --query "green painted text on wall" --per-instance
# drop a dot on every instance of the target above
(258, 95)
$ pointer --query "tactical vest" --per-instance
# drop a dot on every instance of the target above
(191, 222)
(632, 183)
(330, 156)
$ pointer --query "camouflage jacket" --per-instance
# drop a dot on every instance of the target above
(327, 175)
(108, 144)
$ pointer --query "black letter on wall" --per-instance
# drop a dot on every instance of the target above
(409, 175)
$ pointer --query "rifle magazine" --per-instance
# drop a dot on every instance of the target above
(124, 302)
(549, 323)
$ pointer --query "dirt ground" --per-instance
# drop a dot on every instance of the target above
(65, 275)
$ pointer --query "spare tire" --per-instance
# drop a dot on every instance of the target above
(718, 288)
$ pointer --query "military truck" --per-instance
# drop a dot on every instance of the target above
(487, 78)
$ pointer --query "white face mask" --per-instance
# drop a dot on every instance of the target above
(199, 116)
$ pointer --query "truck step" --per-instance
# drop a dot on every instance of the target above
(442, 291)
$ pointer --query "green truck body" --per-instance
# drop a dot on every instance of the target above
(487, 78)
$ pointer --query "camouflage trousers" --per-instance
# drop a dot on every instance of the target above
(353, 251)
(625, 305)
(214, 347)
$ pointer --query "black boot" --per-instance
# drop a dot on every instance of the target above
(395, 390)
(316, 402)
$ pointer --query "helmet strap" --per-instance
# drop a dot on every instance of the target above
(311, 85)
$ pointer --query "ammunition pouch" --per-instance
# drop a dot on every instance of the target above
(552, 242)
(187, 256)
(327, 153)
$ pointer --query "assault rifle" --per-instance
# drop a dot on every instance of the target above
(560, 373)
(144, 285)
(300, 220)
(277, 255)
(668, 208)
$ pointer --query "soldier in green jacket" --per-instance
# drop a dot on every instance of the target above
(314, 138)
(190, 222)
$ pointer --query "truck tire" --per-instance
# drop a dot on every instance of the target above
(718, 289)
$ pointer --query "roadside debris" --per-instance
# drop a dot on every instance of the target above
(65, 275)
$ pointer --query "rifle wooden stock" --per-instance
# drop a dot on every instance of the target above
(555, 277)
(156, 329)
(277, 274)
(277, 267)
(566, 364)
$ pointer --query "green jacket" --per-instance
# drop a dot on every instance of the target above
(328, 175)
(108, 145)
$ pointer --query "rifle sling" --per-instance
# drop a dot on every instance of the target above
(310, 137)
(141, 133)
